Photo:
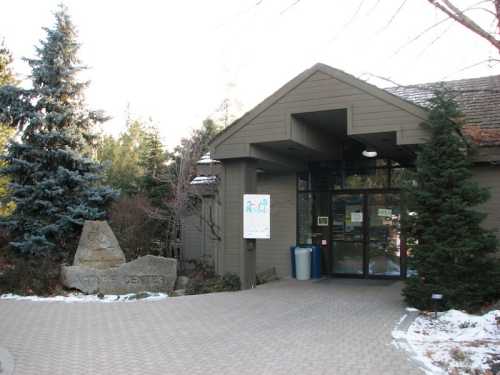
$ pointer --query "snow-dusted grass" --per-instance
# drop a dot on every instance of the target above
(454, 343)
(79, 298)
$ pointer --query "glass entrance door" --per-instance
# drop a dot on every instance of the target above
(366, 234)
(384, 242)
(348, 234)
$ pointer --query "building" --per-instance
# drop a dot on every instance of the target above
(330, 150)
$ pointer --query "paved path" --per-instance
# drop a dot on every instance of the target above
(288, 327)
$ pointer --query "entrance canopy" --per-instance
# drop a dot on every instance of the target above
(323, 114)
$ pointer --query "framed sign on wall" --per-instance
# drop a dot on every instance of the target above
(256, 216)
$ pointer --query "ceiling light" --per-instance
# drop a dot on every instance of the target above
(369, 153)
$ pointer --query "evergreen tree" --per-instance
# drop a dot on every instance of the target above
(7, 77)
(153, 161)
(450, 251)
(122, 157)
(55, 182)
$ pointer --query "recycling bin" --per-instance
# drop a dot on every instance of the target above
(303, 263)
(315, 260)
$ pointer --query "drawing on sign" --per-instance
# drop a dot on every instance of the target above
(257, 216)
(258, 207)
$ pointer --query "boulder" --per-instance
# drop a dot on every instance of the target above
(145, 274)
(98, 247)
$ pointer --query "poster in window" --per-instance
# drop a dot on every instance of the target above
(322, 221)
(356, 217)
(256, 216)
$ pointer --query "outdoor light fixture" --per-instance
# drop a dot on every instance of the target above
(369, 152)
(436, 300)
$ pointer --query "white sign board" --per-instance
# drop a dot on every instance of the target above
(386, 212)
(257, 216)
(356, 217)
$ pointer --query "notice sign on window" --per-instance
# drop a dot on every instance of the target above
(356, 217)
(386, 212)
(257, 216)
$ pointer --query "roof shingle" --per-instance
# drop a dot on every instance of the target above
(477, 98)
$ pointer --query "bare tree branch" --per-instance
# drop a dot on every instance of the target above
(434, 40)
(497, 8)
(459, 16)
(289, 7)
(421, 34)
(348, 23)
(489, 61)
(393, 17)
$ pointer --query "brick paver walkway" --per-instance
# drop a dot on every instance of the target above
(288, 327)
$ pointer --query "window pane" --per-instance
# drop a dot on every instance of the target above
(347, 217)
(303, 181)
(304, 207)
(348, 257)
(366, 163)
(397, 175)
(385, 234)
(366, 179)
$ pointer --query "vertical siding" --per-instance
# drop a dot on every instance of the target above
(490, 177)
(233, 226)
(191, 237)
(275, 252)
(198, 241)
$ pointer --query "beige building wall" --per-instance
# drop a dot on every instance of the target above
(276, 252)
(489, 176)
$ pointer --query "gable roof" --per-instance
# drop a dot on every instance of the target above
(340, 75)
(477, 98)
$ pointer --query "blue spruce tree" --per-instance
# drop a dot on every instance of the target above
(55, 182)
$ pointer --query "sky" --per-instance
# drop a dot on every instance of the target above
(176, 62)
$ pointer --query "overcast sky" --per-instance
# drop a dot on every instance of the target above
(176, 61)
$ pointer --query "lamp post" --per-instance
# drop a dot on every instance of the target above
(436, 298)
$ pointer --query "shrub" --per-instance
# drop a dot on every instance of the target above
(137, 233)
(227, 283)
(29, 275)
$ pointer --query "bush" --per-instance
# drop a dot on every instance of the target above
(204, 279)
(137, 233)
(227, 283)
(201, 268)
(28, 275)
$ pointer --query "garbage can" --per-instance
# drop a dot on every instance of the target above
(315, 261)
(303, 263)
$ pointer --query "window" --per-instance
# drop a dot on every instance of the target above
(352, 174)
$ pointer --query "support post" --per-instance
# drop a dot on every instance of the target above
(239, 253)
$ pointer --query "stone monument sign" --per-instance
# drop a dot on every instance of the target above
(99, 266)
(98, 247)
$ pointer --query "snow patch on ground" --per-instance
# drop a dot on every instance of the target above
(453, 343)
(411, 309)
(78, 297)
